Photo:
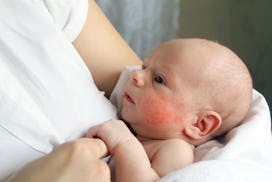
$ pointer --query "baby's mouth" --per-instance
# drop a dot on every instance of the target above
(128, 98)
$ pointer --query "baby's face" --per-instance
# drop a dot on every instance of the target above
(157, 100)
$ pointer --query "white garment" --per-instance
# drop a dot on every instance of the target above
(47, 94)
(68, 15)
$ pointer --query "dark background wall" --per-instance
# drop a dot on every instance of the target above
(243, 25)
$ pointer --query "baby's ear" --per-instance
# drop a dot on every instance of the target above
(205, 123)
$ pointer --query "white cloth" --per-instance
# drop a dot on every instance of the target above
(117, 93)
(47, 95)
(68, 15)
(244, 154)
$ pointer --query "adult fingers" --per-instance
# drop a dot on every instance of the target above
(95, 146)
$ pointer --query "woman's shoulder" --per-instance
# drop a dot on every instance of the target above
(68, 15)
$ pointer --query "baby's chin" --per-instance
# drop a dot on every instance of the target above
(123, 118)
(130, 128)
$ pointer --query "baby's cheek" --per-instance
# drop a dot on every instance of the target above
(157, 111)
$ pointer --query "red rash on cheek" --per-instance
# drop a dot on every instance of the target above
(157, 111)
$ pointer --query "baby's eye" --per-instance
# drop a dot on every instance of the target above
(159, 80)
(143, 67)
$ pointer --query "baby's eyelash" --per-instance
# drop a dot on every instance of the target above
(160, 80)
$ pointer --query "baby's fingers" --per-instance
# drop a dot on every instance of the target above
(93, 132)
(112, 132)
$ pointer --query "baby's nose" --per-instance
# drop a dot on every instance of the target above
(137, 77)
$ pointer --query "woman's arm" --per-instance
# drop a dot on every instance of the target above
(103, 49)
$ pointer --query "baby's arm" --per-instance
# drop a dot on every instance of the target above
(131, 160)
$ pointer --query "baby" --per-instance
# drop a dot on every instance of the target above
(187, 92)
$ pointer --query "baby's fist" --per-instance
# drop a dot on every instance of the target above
(113, 133)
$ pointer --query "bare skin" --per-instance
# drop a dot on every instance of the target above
(99, 45)
(174, 103)
(73, 161)
(147, 160)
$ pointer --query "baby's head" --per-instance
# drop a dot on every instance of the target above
(193, 89)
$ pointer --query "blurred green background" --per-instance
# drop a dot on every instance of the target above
(243, 25)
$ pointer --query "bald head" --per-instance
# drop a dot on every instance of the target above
(229, 84)
(219, 79)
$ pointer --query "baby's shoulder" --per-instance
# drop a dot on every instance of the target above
(162, 148)
(168, 155)
(175, 145)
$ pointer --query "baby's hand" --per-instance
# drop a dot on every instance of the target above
(113, 133)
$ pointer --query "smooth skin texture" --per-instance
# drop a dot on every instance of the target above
(140, 161)
(198, 81)
(173, 104)
(100, 45)
(73, 161)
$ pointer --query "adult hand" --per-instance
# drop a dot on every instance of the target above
(73, 161)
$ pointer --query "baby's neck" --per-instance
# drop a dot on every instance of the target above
(142, 139)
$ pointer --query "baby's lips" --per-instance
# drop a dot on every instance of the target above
(128, 98)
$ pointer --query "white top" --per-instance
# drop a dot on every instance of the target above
(47, 94)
